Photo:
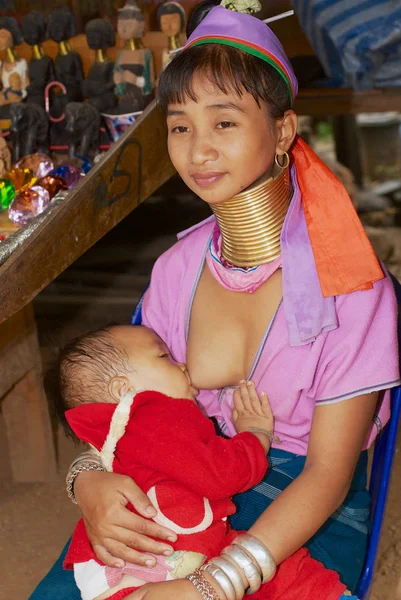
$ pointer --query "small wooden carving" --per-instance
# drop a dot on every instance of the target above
(171, 18)
(134, 71)
(41, 68)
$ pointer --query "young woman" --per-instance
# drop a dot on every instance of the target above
(281, 285)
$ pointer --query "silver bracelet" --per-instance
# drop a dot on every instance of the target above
(83, 466)
(202, 585)
(232, 573)
(259, 553)
(222, 579)
(248, 566)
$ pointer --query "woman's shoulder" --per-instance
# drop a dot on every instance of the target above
(366, 302)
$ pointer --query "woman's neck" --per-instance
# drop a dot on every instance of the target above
(37, 52)
(11, 55)
(252, 221)
(133, 44)
(174, 42)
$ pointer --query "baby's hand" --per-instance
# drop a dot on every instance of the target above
(250, 410)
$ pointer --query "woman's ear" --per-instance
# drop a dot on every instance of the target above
(119, 386)
(286, 130)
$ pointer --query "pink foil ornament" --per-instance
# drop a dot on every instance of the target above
(70, 173)
(28, 204)
(39, 163)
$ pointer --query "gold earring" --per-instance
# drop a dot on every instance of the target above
(286, 160)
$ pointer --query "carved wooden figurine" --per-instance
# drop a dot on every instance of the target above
(134, 71)
(98, 87)
(14, 70)
(68, 63)
(41, 67)
(171, 18)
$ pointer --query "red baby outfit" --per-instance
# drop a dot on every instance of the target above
(171, 449)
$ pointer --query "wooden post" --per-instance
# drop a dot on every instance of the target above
(348, 148)
(23, 401)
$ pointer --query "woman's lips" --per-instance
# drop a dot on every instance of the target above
(207, 179)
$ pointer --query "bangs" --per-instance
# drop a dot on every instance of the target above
(227, 69)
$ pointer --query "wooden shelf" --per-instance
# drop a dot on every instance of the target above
(339, 101)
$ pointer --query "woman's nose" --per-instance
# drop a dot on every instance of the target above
(202, 150)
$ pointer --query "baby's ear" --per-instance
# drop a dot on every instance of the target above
(119, 386)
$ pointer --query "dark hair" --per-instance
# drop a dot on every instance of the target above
(82, 370)
(199, 13)
(61, 24)
(102, 29)
(34, 28)
(11, 25)
(229, 70)
(171, 8)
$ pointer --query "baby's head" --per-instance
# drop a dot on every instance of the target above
(106, 364)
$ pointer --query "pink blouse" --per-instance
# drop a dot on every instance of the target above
(359, 356)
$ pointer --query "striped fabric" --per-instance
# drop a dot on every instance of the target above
(358, 42)
(341, 542)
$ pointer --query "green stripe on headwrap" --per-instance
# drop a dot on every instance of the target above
(249, 50)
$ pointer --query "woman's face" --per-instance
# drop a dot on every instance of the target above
(220, 144)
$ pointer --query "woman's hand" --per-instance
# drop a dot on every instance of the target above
(181, 589)
(112, 528)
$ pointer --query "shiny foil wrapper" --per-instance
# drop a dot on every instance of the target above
(70, 173)
(39, 163)
(21, 178)
(7, 193)
(28, 204)
(79, 161)
(53, 184)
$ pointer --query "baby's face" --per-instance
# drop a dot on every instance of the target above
(153, 367)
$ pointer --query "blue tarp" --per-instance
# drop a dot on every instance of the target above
(357, 42)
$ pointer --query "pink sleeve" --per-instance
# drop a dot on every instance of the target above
(361, 355)
(155, 307)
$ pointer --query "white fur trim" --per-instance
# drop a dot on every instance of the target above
(161, 519)
(118, 425)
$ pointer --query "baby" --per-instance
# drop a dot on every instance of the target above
(121, 391)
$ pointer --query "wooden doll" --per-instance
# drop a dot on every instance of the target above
(133, 71)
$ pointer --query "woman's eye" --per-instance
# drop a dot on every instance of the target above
(226, 125)
(179, 129)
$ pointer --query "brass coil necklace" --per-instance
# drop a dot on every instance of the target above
(251, 222)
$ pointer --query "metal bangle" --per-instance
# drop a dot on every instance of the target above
(222, 579)
(86, 456)
(249, 567)
(260, 553)
(202, 585)
(232, 573)
(73, 473)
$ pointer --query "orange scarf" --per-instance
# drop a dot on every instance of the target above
(345, 259)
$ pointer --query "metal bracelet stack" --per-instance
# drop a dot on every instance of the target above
(202, 585)
(246, 558)
(81, 467)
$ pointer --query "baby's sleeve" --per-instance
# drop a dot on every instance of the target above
(361, 355)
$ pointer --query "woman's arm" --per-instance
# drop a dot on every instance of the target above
(336, 440)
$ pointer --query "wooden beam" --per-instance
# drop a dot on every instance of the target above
(338, 101)
(135, 167)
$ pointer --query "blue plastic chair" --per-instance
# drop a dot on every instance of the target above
(383, 456)
(379, 487)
